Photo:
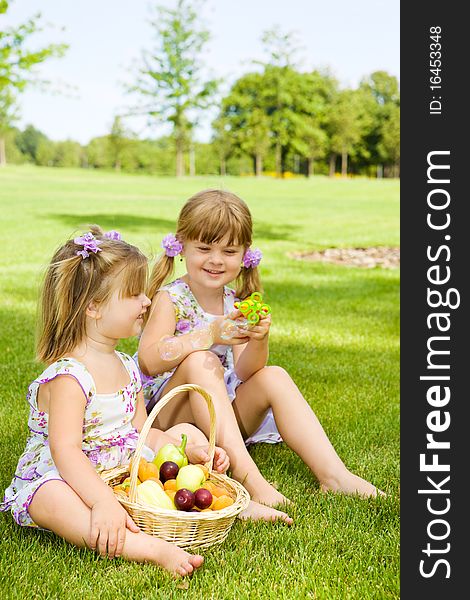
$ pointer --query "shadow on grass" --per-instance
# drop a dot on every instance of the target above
(136, 223)
(117, 221)
(274, 232)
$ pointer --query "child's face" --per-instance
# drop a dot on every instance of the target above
(212, 265)
(122, 317)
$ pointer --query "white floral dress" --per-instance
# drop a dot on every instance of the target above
(190, 316)
(109, 438)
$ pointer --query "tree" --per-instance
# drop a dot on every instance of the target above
(118, 142)
(28, 142)
(170, 79)
(389, 145)
(244, 118)
(347, 121)
(17, 67)
(382, 97)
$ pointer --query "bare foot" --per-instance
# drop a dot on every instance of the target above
(263, 492)
(348, 483)
(259, 512)
(172, 558)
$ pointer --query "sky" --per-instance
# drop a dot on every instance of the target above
(107, 37)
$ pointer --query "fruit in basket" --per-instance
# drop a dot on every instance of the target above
(190, 477)
(202, 498)
(184, 499)
(147, 470)
(170, 484)
(222, 502)
(215, 490)
(150, 493)
(173, 453)
(168, 470)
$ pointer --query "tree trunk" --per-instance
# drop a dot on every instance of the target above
(278, 159)
(344, 164)
(332, 165)
(223, 167)
(380, 171)
(192, 162)
(179, 160)
(117, 165)
(3, 154)
(258, 165)
(309, 166)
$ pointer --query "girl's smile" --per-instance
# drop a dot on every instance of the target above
(218, 263)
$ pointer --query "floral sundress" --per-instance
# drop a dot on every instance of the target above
(109, 437)
(190, 316)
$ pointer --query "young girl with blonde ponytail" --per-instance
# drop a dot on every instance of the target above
(184, 340)
(87, 407)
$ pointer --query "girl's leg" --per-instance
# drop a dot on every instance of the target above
(299, 427)
(57, 507)
(204, 369)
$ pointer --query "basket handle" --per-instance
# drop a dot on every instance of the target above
(188, 387)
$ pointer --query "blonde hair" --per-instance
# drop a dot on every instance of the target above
(210, 216)
(72, 282)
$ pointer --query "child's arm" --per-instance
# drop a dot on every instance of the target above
(253, 356)
(108, 518)
(162, 322)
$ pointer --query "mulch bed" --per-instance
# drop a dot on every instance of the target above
(367, 258)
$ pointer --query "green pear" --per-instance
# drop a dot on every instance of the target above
(190, 477)
(174, 453)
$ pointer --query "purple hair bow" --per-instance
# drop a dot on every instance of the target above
(252, 258)
(89, 243)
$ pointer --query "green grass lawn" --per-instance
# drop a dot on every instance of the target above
(335, 329)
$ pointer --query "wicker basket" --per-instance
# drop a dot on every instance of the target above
(185, 529)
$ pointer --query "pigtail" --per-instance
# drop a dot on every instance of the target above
(162, 270)
(247, 282)
(59, 322)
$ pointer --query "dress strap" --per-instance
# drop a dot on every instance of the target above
(64, 366)
(132, 369)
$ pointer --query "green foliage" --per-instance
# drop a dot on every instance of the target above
(170, 79)
(28, 142)
(18, 64)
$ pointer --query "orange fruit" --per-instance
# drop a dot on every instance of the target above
(147, 470)
(222, 502)
(208, 485)
(170, 494)
(170, 484)
(215, 490)
(219, 491)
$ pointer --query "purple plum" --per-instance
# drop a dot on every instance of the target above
(168, 470)
(184, 499)
(202, 498)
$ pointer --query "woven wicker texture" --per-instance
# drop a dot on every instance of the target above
(185, 529)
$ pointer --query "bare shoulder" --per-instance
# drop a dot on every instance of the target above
(62, 388)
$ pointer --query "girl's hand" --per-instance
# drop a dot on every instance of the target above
(199, 455)
(236, 339)
(109, 521)
(259, 331)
